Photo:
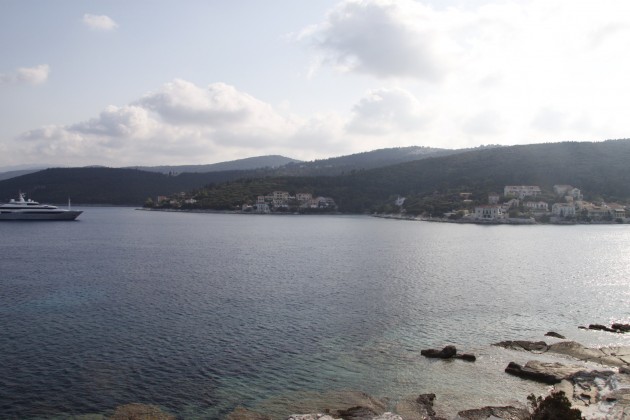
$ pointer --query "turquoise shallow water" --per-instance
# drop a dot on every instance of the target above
(200, 313)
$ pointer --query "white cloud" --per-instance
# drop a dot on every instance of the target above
(387, 111)
(27, 75)
(99, 22)
(384, 38)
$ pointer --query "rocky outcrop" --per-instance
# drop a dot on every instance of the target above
(621, 327)
(418, 408)
(614, 328)
(137, 411)
(608, 356)
(318, 416)
(448, 352)
(548, 373)
(505, 413)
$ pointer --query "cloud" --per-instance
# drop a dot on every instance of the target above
(385, 111)
(99, 22)
(383, 38)
(27, 75)
(179, 122)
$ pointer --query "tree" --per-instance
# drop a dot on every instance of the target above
(555, 406)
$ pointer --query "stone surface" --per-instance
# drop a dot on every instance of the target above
(600, 327)
(549, 373)
(137, 411)
(318, 416)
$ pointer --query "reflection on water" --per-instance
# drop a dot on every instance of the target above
(201, 313)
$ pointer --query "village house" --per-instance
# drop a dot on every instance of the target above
(489, 212)
(563, 209)
(521, 191)
(493, 198)
(537, 205)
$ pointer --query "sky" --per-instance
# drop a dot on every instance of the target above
(153, 82)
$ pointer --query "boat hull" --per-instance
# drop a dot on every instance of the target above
(34, 215)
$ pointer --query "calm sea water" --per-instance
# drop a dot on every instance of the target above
(201, 313)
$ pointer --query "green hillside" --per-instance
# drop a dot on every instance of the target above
(601, 170)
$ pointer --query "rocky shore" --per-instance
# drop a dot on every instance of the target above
(596, 381)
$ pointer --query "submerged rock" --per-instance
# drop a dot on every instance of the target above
(505, 413)
(555, 334)
(137, 411)
(533, 346)
(241, 413)
(357, 413)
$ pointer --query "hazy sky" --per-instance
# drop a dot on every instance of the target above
(118, 82)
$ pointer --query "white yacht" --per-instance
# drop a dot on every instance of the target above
(22, 209)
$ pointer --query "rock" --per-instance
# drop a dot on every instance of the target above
(600, 327)
(418, 408)
(548, 373)
(357, 413)
(506, 413)
(241, 413)
(533, 346)
(555, 334)
(624, 370)
(137, 411)
(621, 327)
(466, 356)
(318, 416)
(388, 416)
(446, 353)
(609, 356)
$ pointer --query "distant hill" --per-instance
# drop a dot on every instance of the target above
(361, 161)
(97, 185)
(599, 169)
(270, 161)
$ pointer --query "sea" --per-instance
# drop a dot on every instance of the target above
(199, 314)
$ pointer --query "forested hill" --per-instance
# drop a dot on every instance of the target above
(600, 170)
(105, 185)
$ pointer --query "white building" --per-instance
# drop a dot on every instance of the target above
(537, 205)
(522, 191)
(489, 212)
(493, 198)
(563, 209)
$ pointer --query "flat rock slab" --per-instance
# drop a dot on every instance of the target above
(548, 373)
(607, 356)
